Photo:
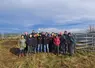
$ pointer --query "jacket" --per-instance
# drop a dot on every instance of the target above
(71, 40)
(22, 44)
(30, 41)
(39, 40)
(56, 41)
(34, 43)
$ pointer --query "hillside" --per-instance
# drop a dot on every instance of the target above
(9, 58)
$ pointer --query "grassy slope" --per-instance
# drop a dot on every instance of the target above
(8, 59)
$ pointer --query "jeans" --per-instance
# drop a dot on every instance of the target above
(39, 48)
(65, 50)
(34, 49)
(29, 49)
(46, 48)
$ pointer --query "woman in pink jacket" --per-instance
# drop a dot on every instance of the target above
(56, 42)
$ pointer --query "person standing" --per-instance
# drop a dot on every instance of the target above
(71, 44)
(22, 46)
(50, 43)
(30, 41)
(26, 36)
(57, 44)
(46, 43)
(65, 42)
(62, 47)
(34, 46)
(39, 43)
(43, 42)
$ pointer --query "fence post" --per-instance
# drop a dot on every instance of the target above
(2, 35)
(76, 37)
(86, 40)
(93, 42)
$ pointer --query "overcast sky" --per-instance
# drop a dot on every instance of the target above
(46, 15)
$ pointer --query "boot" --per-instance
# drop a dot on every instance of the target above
(19, 55)
(22, 55)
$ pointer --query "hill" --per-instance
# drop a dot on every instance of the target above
(9, 58)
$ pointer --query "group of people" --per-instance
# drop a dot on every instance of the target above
(56, 43)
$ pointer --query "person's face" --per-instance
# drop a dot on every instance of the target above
(65, 32)
(35, 35)
(70, 34)
(49, 35)
(22, 37)
(56, 36)
(30, 36)
(46, 35)
(52, 34)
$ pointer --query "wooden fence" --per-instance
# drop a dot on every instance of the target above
(85, 41)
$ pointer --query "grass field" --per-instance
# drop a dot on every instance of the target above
(9, 58)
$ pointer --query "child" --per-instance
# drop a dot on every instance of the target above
(22, 46)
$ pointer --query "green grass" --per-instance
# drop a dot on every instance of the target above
(82, 59)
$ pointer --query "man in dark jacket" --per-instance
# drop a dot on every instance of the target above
(65, 42)
(46, 43)
(34, 46)
(43, 41)
(30, 41)
(39, 43)
(62, 46)
(50, 43)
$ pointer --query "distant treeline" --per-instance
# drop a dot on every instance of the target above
(6, 35)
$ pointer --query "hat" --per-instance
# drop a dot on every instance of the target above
(60, 33)
(54, 34)
(38, 34)
(26, 33)
(43, 33)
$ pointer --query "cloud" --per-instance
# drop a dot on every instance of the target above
(72, 14)
(61, 30)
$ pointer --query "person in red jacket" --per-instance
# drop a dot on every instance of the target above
(56, 42)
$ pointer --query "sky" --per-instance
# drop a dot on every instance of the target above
(46, 15)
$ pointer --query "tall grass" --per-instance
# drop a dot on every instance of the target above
(82, 59)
